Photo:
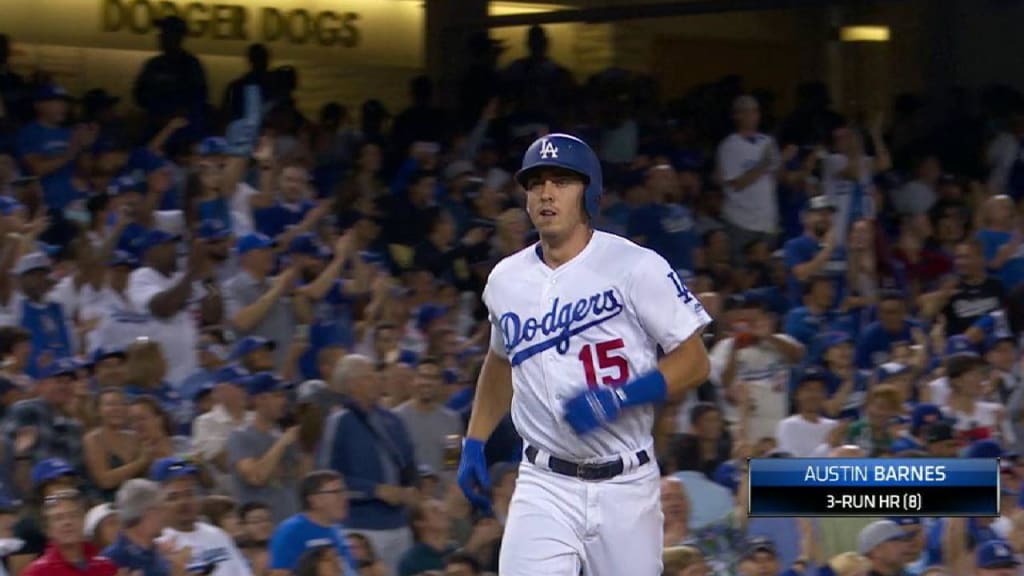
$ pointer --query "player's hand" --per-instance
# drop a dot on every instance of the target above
(592, 409)
(473, 478)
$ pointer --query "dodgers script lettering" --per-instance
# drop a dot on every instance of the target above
(558, 325)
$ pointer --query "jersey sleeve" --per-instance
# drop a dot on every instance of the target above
(666, 309)
(497, 339)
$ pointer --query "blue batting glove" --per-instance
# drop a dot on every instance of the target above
(473, 478)
(592, 409)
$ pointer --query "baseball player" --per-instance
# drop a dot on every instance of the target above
(577, 320)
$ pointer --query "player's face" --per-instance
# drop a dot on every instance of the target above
(554, 200)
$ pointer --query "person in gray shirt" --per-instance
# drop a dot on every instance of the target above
(266, 463)
(256, 305)
(429, 422)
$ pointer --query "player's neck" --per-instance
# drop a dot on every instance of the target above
(559, 250)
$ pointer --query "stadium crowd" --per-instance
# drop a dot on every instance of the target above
(236, 340)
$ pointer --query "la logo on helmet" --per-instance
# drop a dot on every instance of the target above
(548, 150)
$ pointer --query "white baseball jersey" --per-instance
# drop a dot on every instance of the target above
(595, 320)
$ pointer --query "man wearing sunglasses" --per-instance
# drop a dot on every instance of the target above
(68, 553)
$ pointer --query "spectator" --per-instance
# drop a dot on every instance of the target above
(753, 365)
(324, 502)
(461, 564)
(886, 545)
(817, 316)
(371, 448)
(365, 557)
(48, 477)
(919, 195)
(759, 557)
(170, 296)
(747, 162)
(108, 368)
(683, 561)
(37, 428)
(847, 386)
(871, 432)
(68, 552)
(255, 304)
(291, 207)
(665, 224)
(15, 352)
(155, 429)
(707, 445)
(815, 253)
(142, 510)
(102, 525)
(234, 94)
(146, 369)
(848, 177)
(802, 433)
(257, 528)
(1001, 236)
(50, 151)
(975, 418)
(429, 423)
(968, 296)
(112, 452)
(44, 319)
(173, 83)
(265, 462)
(210, 431)
(212, 550)
(894, 326)
(320, 560)
(12, 86)
(211, 355)
(420, 122)
(430, 525)
(676, 508)
(222, 512)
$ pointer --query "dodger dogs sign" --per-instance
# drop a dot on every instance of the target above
(235, 22)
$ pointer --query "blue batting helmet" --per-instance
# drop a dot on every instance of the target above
(570, 153)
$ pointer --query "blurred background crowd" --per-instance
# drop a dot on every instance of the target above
(239, 340)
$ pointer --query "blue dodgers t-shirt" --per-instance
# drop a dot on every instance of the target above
(806, 327)
(47, 141)
(215, 209)
(670, 231)
(1012, 272)
(297, 534)
(875, 344)
(47, 325)
(802, 250)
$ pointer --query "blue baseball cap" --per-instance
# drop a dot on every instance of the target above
(230, 374)
(250, 344)
(125, 184)
(62, 367)
(144, 161)
(727, 475)
(835, 338)
(262, 383)
(51, 469)
(428, 313)
(8, 504)
(167, 469)
(924, 414)
(154, 238)
(305, 244)
(9, 205)
(959, 344)
(51, 92)
(891, 370)
(995, 554)
(813, 374)
(213, 146)
(213, 230)
(905, 520)
(124, 258)
(984, 449)
(254, 241)
(408, 358)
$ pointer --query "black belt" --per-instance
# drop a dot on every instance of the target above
(603, 471)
